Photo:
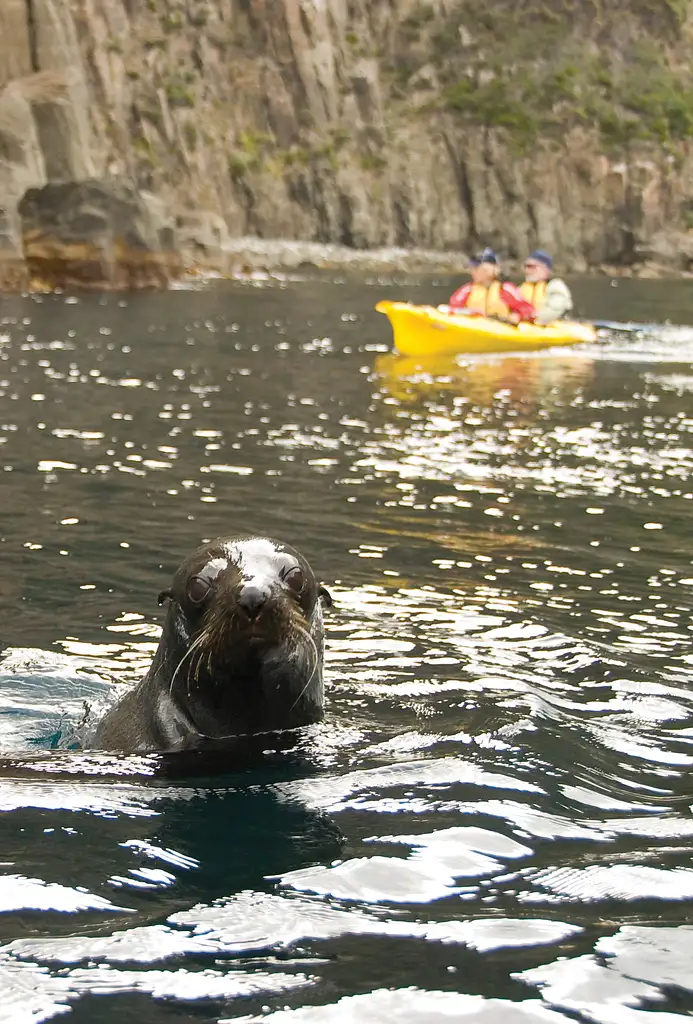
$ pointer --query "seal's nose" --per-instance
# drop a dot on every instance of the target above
(252, 599)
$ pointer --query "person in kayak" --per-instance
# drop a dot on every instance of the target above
(549, 295)
(487, 294)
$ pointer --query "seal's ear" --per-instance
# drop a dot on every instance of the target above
(163, 596)
(325, 596)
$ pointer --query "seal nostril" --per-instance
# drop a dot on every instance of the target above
(252, 600)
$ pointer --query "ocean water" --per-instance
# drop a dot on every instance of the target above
(493, 822)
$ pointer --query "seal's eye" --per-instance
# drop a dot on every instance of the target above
(295, 580)
(198, 588)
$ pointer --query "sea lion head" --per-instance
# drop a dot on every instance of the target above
(242, 645)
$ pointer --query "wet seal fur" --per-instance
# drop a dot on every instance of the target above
(241, 652)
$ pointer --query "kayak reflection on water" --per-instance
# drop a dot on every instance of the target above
(527, 381)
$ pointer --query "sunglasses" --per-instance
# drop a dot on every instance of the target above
(531, 266)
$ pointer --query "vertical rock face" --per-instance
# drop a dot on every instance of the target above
(15, 46)
(443, 124)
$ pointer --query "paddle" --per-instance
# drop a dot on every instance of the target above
(615, 325)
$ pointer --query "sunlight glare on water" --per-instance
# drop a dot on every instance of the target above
(493, 822)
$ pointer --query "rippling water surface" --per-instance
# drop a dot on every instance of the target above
(493, 822)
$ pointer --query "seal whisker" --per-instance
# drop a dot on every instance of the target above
(316, 659)
(193, 647)
(198, 665)
(205, 637)
(193, 676)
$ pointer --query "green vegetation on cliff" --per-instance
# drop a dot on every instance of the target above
(538, 69)
(639, 99)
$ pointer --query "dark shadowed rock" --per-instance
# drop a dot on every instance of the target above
(96, 235)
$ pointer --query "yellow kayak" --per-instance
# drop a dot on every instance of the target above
(427, 331)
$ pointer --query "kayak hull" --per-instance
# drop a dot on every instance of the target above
(427, 331)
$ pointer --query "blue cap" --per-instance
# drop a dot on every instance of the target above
(485, 256)
(542, 257)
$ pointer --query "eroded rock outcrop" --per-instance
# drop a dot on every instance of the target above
(96, 235)
(442, 124)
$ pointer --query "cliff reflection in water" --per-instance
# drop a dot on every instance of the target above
(493, 820)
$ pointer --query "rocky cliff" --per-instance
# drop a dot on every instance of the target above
(444, 124)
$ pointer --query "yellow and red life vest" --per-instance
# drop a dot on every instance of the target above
(534, 292)
(487, 300)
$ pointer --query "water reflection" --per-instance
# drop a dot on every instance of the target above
(493, 821)
(529, 381)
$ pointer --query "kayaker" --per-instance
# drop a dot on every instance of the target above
(549, 295)
(487, 294)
